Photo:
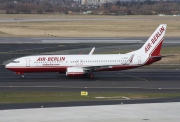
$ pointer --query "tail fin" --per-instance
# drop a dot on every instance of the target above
(154, 43)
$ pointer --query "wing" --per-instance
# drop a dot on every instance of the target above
(96, 68)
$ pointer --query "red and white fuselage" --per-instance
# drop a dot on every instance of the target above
(74, 65)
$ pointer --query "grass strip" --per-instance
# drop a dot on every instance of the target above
(1, 32)
(31, 97)
(126, 26)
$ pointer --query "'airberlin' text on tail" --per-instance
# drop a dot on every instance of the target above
(154, 39)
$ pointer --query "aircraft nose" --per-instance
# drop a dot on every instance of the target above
(8, 65)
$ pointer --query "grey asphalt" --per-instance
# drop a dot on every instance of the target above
(76, 19)
(53, 39)
(130, 80)
(146, 80)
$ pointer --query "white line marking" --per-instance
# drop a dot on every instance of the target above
(133, 77)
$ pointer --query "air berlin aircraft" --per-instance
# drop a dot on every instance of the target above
(85, 65)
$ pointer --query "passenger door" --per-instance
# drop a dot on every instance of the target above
(28, 62)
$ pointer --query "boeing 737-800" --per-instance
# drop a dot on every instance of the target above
(79, 65)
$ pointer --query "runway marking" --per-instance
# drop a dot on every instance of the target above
(125, 97)
(61, 87)
(92, 41)
(113, 97)
(89, 87)
(133, 77)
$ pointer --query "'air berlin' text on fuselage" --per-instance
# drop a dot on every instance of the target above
(51, 59)
(154, 39)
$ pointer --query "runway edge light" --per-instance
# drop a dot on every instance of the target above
(84, 93)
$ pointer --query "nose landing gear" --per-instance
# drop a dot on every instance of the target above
(22, 76)
(20, 73)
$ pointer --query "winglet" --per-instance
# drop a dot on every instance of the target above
(92, 51)
(130, 59)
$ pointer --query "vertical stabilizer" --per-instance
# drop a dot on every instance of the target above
(154, 43)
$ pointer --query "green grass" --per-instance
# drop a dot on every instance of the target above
(30, 97)
(2, 32)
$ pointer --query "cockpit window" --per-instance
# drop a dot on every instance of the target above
(15, 61)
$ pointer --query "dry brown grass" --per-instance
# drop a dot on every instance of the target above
(125, 26)
(172, 59)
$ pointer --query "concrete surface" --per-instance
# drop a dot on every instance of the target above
(153, 112)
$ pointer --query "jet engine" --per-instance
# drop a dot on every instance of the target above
(74, 71)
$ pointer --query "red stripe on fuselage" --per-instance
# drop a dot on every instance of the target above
(37, 69)
(63, 69)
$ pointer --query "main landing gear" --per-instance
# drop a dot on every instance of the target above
(89, 75)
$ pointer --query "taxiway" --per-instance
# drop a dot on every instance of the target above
(135, 80)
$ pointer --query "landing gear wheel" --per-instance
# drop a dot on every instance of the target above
(22, 76)
(91, 75)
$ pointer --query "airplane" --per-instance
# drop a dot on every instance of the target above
(85, 65)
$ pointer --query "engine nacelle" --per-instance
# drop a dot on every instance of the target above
(74, 71)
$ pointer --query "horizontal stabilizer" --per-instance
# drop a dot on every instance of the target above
(161, 56)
